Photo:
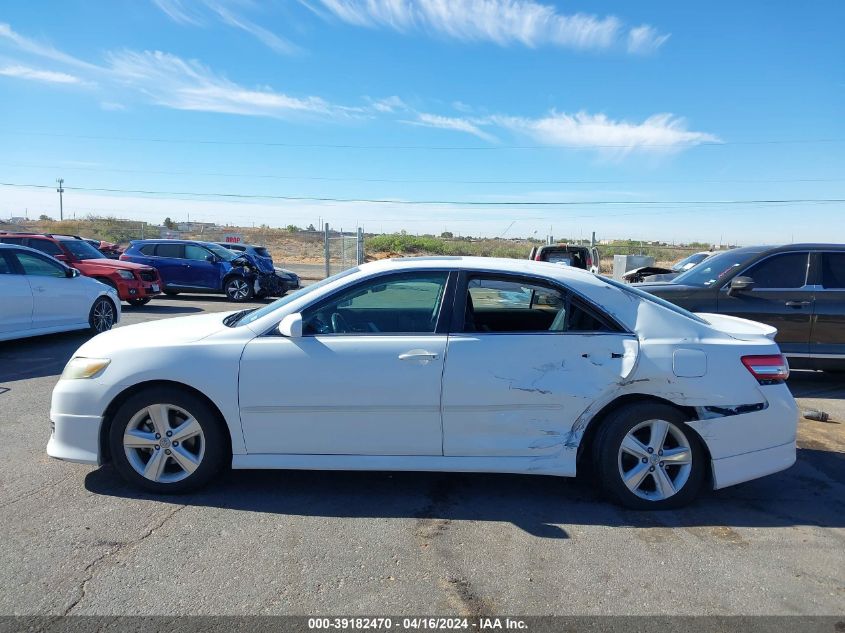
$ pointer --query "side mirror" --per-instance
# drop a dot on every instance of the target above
(70, 273)
(291, 326)
(210, 258)
(740, 284)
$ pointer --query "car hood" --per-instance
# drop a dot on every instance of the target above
(161, 333)
(113, 263)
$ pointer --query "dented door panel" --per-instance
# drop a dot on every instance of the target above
(520, 394)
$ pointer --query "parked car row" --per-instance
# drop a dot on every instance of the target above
(148, 267)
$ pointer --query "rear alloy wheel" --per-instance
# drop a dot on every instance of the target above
(102, 315)
(238, 289)
(166, 441)
(648, 459)
(137, 303)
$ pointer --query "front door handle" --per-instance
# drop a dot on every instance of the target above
(797, 304)
(418, 354)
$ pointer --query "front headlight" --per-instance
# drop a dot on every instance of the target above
(79, 367)
(126, 274)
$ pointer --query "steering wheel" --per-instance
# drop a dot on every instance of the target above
(339, 323)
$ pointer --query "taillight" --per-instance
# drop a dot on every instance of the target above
(537, 258)
(589, 261)
(767, 368)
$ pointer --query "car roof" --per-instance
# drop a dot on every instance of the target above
(486, 264)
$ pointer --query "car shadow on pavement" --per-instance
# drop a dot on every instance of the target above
(811, 493)
(157, 308)
(38, 356)
(209, 298)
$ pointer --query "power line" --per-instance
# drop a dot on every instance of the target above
(436, 202)
(422, 147)
(417, 180)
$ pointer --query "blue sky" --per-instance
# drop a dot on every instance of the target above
(483, 101)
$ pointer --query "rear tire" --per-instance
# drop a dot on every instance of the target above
(102, 315)
(647, 458)
(190, 437)
(238, 289)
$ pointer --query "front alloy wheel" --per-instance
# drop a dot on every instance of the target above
(167, 441)
(238, 289)
(647, 458)
(102, 315)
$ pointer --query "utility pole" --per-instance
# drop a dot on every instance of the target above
(61, 191)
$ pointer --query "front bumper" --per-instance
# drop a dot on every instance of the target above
(751, 445)
(76, 411)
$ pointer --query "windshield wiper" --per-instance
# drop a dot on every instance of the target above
(232, 319)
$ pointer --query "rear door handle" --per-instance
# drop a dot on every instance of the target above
(418, 354)
(797, 304)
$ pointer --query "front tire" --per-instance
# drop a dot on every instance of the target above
(167, 441)
(647, 458)
(137, 303)
(238, 289)
(101, 316)
(171, 293)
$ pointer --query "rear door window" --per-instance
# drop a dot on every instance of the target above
(833, 270)
(508, 305)
(169, 250)
(148, 249)
(786, 270)
(45, 246)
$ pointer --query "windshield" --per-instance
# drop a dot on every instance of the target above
(261, 251)
(257, 314)
(688, 262)
(223, 253)
(82, 249)
(714, 269)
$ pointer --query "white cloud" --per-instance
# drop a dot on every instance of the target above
(192, 15)
(39, 49)
(388, 104)
(176, 11)
(49, 76)
(645, 40)
(182, 84)
(500, 21)
(659, 133)
(112, 106)
(451, 123)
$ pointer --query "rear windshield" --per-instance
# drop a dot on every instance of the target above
(653, 299)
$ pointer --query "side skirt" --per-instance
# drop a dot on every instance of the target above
(434, 463)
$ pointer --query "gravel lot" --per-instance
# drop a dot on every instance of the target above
(75, 540)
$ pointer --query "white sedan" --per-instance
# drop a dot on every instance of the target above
(438, 364)
(40, 295)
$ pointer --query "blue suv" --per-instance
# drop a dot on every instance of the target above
(192, 266)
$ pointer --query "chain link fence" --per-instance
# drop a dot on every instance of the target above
(342, 250)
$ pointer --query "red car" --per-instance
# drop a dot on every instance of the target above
(136, 284)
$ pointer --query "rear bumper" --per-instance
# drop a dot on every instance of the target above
(751, 445)
(734, 470)
(136, 289)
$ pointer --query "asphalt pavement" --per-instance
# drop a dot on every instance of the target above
(76, 540)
